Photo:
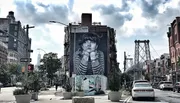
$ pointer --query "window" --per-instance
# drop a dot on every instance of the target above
(11, 54)
(15, 45)
(15, 33)
(15, 28)
(11, 60)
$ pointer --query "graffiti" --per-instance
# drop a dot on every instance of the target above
(91, 84)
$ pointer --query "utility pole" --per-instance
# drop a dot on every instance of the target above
(27, 55)
(124, 61)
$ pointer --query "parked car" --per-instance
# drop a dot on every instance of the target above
(176, 87)
(143, 89)
(165, 85)
(19, 84)
(139, 81)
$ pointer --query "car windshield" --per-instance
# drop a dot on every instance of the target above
(139, 81)
(142, 85)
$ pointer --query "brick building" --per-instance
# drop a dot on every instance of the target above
(174, 48)
(106, 46)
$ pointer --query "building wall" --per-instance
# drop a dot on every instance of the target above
(174, 47)
(16, 49)
(106, 51)
(3, 53)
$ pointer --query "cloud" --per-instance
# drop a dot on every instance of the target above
(27, 11)
(150, 8)
(70, 4)
(114, 16)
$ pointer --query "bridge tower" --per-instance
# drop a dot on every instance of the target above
(142, 53)
(128, 62)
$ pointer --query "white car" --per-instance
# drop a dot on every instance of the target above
(143, 89)
(165, 85)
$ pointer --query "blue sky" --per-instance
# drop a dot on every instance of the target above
(132, 19)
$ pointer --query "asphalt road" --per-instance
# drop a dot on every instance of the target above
(162, 96)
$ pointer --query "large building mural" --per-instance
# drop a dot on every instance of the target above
(88, 63)
(89, 51)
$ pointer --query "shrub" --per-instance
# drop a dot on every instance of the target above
(19, 92)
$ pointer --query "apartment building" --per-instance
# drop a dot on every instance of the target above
(3, 53)
(16, 37)
(173, 35)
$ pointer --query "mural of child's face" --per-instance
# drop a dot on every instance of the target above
(89, 46)
(93, 46)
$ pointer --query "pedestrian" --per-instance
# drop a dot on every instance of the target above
(56, 86)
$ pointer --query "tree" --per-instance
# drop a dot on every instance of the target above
(126, 80)
(7, 71)
(50, 65)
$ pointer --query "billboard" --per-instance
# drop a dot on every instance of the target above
(88, 53)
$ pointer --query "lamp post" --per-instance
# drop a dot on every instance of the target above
(45, 53)
(69, 31)
(28, 45)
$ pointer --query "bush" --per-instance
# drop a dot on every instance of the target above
(114, 81)
(67, 86)
(19, 92)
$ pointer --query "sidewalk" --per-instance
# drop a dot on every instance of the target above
(53, 96)
(50, 97)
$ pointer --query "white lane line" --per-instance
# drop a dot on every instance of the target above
(126, 99)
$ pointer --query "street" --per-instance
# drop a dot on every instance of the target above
(161, 97)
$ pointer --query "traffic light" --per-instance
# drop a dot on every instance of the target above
(30, 67)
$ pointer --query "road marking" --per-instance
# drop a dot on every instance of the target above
(125, 101)
(128, 99)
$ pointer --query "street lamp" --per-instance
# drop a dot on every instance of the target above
(58, 22)
(69, 31)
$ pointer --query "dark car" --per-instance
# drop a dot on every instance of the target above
(176, 87)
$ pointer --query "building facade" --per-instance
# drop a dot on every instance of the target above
(16, 37)
(89, 54)
(159, 69)
(174, 48)
(3, 53)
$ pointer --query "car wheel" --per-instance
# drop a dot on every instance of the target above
(153, 98)
(174, 90)
(133, 98)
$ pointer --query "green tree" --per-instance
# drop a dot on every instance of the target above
(50, 65)
(4, 77)
(126, 80)
(7, 71)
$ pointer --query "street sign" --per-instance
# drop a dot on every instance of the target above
(25, 60)
(30, 51)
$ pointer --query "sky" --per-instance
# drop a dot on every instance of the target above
(132, 19)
